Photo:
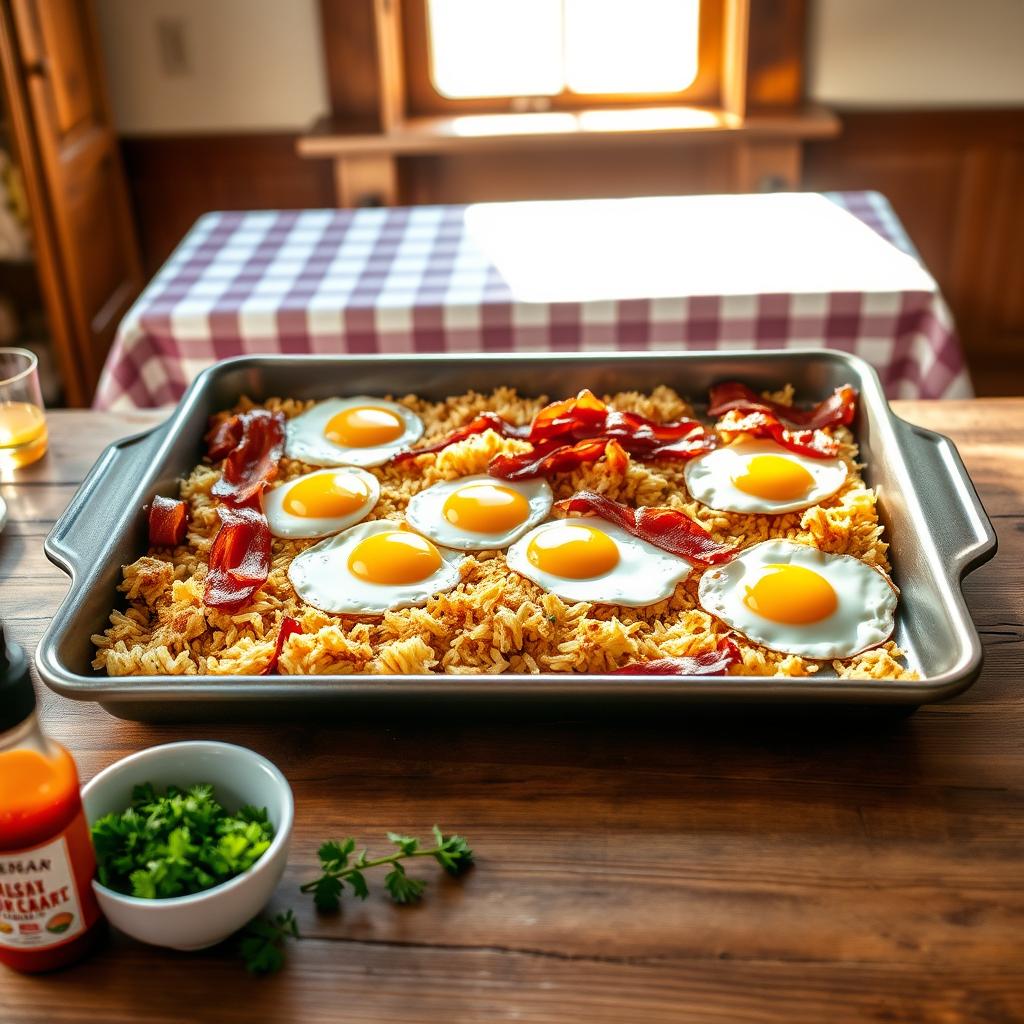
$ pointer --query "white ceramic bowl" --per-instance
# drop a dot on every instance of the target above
(239, 776)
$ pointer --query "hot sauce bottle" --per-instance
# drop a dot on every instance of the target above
(48, 912)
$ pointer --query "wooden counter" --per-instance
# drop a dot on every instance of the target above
(704, 870)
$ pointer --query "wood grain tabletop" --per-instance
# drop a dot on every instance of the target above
(724, 869)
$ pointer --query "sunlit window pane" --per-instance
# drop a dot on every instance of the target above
(496, 47)
(542, 47)
(624, 46)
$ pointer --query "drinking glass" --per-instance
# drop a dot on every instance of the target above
(22, 423)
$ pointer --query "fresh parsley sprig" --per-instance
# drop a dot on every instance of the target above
(341, 865)
(177, 842)
(263, 939)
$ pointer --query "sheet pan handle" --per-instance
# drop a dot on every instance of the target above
(963, 531)
(88, 523)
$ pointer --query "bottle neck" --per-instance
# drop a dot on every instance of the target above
(26, 735)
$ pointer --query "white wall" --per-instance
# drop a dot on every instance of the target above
(907, 53)
(252, 65)
(258, 64)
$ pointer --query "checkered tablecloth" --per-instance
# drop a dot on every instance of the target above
(408, 280)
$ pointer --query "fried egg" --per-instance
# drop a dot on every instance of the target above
(373, 568)
(796, 599)
(321, 503)
(358, 431)
(476, 513)
(762, 476)
(587, 559)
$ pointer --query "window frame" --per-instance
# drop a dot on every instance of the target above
(423, 99)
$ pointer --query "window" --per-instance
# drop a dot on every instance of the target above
(501, 55)
(545, 47)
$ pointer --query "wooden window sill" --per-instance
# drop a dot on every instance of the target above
(474, 132)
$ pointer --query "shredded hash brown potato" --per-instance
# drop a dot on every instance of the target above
(494, 620)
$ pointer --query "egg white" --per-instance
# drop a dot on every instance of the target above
(285, 524)
(864, 617)
(643, 575)
(709, 478)
(426, 512)
(304, 434)
(321, 576)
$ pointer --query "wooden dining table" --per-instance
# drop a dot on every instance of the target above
(691, 866)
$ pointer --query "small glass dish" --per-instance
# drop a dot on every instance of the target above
(23, 436)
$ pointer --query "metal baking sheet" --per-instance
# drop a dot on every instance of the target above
(935, 523)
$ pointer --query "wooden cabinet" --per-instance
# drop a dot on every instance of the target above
(60, 119)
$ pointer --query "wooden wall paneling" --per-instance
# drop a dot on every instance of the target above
(174, 180)
(366, 180)
(767, 165)
(1008, 279)
(987, 273)
(595, 172)
(972, 265)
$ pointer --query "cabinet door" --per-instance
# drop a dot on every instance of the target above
(94, 255)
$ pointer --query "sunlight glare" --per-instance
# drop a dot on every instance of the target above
(496, 48)
(483, 48)
(652, 119)
(599, 250)
(644, 46)
(482, 125)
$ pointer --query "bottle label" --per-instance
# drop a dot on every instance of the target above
(39, 901)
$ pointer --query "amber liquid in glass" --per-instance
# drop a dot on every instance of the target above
(22, 434)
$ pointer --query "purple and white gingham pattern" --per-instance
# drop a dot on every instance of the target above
(409, 280)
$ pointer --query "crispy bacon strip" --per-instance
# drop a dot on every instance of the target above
(642, 433)
(583, 429)
(558, 458)
(665, 528)
(656, 440)
(616, 457)
(799, 430)
(168, 520)
(239, 558)
(252, 463)
(553, 457)
(577, 418)
(815, 443)
(838, 409)
(567, 425)
(586, 416)
(289, 627)
(485, 421)
(645, 439)
(687, 448)
(707, 663)
(222, 437)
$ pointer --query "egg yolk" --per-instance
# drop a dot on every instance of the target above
(364, 426)
(573, 552)
(486, 508)
(793, 595)
(397, 557)
(326, 496)
(774, 477)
